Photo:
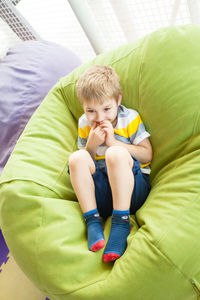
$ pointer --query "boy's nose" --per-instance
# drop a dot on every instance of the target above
(99, 118)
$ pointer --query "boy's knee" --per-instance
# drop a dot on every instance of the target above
(116, 154)
(77, 157)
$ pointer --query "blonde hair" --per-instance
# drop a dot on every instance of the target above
(98, 83)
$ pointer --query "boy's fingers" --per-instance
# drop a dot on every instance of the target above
(106, 122)
(105, 130)
(104, 125)
(97, 129)
(94, 125)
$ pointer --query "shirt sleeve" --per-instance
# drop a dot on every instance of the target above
(82, 138)
(140, 133)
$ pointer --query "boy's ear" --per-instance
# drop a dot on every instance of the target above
(119, 99)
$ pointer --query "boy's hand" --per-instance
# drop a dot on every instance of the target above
(96, 138)
(109, 132)
(96, 135)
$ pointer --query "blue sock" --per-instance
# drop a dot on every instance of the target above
(96, 239)
(117, 242)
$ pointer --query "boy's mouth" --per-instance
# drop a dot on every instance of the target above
(99, 123)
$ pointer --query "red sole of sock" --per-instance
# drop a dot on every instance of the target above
(110, 257)
(99, 245)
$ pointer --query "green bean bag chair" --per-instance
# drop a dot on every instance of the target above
(41, 219)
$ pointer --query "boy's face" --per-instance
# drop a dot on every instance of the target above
(97, 113)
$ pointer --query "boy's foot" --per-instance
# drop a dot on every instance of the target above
(117, 242)
(96, 240)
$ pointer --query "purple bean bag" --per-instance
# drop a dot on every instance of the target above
(27, 73)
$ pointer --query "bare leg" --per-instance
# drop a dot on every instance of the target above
(81, 168)
(119, 165)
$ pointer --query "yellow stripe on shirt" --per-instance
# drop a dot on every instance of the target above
(99, 157)
(130, 129)
(122, 132)
(84, 132)
(133, 126)
(144, 165)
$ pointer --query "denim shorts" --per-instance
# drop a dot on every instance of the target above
(103, 192)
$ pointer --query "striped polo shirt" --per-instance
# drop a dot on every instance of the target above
(129, 129)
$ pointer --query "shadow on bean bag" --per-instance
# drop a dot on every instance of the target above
(27, 73)
(41, 219)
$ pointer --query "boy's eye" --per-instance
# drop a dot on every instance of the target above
(107, 108)
(90, 111)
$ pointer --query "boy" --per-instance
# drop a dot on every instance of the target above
(110, 172)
